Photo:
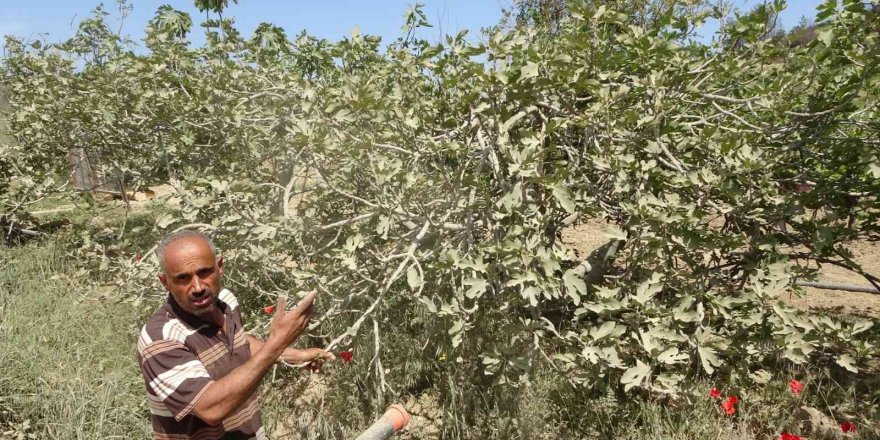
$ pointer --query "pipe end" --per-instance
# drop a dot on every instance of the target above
(397, 416)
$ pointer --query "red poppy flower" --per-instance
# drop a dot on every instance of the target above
(268, 310)
(729, 405)
(796, 387)
(787, 436)
(137, 257)
(848, 426)
(346, 356)
(714, 393)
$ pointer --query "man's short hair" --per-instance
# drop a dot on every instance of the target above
(180, 235)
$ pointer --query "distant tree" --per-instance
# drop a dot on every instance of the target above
(762, 22)
(542, 13)
(803, 33)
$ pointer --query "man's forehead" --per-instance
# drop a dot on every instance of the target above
(188, 248)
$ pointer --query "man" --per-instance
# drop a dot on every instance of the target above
(200, 368)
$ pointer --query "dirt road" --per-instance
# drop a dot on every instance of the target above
(585, 238)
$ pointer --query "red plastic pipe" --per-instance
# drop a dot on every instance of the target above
(394, 419)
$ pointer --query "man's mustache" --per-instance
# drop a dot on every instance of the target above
(202, 292)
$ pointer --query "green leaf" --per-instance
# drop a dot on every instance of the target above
(456, 328)
(164, 221)
(477, 287)
(648, 288)
(686, 316)
(614, 232)
(709, 359)
(511, 121)
(383, 225)
(649, 342)
(826, 36)
(413, 278)
(477, 264)
(563, 196)
(635, 376)
(761, 376)
(826, 10)
(531, 293)
(201, 202)
(301, 274)
(600, 332)
(574, 284)
(491, 365)
(861, 326)
(530, 70)
(428, 303)
(846, 361)
(672, 356)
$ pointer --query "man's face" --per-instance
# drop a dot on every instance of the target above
(192, 275)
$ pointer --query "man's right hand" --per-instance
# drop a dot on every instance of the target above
(233, 390)
(287, 326)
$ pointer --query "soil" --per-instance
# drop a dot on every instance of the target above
(867, 255)
(587, 237)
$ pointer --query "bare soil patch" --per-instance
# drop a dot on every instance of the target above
(586, 237)
(867, 255)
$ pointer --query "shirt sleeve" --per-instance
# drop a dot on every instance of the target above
(174, 375)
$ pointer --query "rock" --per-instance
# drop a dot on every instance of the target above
(144, 196)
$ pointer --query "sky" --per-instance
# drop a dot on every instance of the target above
(331, 19)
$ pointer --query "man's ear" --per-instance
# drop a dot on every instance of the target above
(220, 265)
(164, 280)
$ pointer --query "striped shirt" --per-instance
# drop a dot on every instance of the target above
(181, 356)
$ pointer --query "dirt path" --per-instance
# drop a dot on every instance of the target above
(585, 238)
(136, 200)
(867, 255)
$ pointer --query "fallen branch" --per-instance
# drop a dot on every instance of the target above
(871, 278)
(18, 230)
(27, 232)
(833, 286)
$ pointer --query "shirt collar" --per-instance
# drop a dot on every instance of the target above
(191, 320)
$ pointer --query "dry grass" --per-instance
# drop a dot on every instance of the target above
(66, 366)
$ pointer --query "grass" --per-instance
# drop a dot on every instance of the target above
(67, 366)
(50, 205)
